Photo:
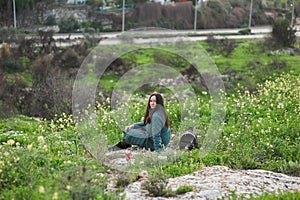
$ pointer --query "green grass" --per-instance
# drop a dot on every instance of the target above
(280, 196)
(249, 51)
(108, 82)
(41, 159)
(247, 65)
(141, 56)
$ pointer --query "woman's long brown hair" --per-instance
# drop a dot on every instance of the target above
(160, 101)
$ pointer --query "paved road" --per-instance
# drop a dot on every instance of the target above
(166, 34)
(157, 31)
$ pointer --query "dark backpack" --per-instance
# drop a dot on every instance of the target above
(188, 141)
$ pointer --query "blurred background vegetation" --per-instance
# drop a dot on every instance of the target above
(92, 15)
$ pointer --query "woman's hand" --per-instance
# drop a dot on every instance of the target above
(129, 127)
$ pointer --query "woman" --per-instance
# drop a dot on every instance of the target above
(154, 132)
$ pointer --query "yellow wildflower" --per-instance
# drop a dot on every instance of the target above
(29, 147)
(55, 196)
(6, 154)
(10, 142)
(41, 189)
(41, 139)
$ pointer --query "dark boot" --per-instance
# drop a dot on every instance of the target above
(121, 145)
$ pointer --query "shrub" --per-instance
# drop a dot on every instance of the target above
(47, 41)
(124, 179)
(5, 51)
(224, 46)
(157, 185)
(50, 21)
(29, 48)
(52, 92)
(68, 24)
(283, 33)
(11, 65)
(9, 35)
(69, 59)
(11, 95)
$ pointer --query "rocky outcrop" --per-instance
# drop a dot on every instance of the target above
(79, 13)
(219, 182)
(214, 182)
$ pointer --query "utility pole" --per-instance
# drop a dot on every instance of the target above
(15, 18)
(195, 20)
(250, 15)
(293, 13)
(123, 16)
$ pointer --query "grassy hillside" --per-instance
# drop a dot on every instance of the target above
(42, 159)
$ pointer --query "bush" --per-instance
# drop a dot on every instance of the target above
(50, 21)
(8, 35)
(283, 33)
(52, 92)
(11, 65)
(11, 95)
(157, 185)
(70, 58)
(224, 46)
(68, 24)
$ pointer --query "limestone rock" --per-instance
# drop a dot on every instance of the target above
(219, 181)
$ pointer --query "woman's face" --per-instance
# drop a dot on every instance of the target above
(152, 102)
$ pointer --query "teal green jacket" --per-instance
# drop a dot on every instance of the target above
(154, 136)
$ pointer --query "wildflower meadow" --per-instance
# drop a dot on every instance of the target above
(42, 159)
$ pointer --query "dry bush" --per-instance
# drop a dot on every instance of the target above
(34, 47)
(47, 41)
(69, 59)
(5, 51)
(52, 89)
(28, 48)
(11, 96)
(41, 67)
(10, 35)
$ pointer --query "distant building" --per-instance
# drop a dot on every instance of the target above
(162, 2)
(77, 1)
